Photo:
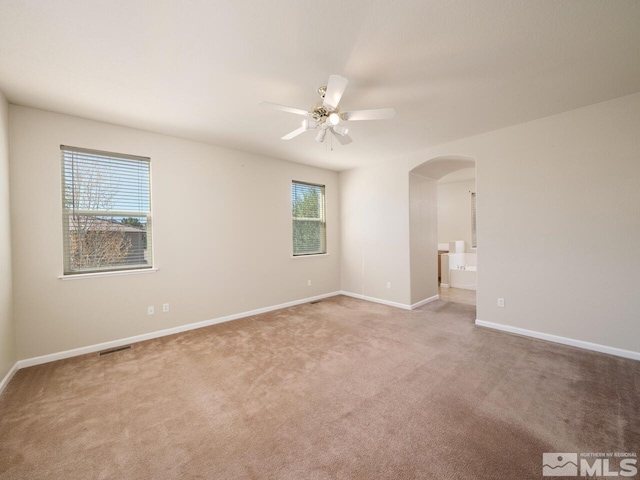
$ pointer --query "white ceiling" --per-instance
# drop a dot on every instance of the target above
(197, 69)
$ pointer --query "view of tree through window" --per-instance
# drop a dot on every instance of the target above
(309, 223)
(106, 211)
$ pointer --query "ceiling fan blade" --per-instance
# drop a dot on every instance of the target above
(376, 114)
(343, 139)
(335, 89)
(284, 108)
(295, 133)
(309, 124)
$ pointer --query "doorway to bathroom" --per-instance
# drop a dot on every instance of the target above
(443, 226)
(457, 236)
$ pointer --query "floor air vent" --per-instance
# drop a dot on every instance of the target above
(114, 350)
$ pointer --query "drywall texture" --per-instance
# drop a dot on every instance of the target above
(423, 215)
(374, 222)
(454, 211)
(556, 198)
(221, 233)
(7, 328)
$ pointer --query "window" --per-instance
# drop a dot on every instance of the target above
(474, 239)
(309, 223)
(106, 206)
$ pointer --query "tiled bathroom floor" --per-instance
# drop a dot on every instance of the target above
(457, 295)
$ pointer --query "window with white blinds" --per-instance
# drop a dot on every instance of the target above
(106, 204)
(309, 222)
(474, 240)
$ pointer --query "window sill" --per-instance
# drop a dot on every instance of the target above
(313, 255)
(78, 276)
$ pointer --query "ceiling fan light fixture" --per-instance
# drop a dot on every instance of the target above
(334, 119)
(321, 135)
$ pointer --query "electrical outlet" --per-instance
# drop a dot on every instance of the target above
(308, 283)
(165, 307)
(388, 285)
(150, 310)
(501, 302)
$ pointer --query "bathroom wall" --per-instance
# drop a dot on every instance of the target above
(454, 211)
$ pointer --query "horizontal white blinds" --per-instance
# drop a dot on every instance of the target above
(106, 211)
(309, 222)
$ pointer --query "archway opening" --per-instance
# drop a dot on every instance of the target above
(443, 226)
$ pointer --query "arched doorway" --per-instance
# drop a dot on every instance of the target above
(443, 247)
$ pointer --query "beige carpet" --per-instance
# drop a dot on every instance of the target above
(339, 389)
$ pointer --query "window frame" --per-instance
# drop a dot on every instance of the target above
(114, 269)
(322, 220)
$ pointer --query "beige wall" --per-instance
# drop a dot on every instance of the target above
(557, 198)
(560, 191)
(454, 211)
(7, 327)
(222, 236)
(375, 224)
(423, 211)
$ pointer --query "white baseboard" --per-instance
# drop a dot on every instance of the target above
(444, 285)
(425, 301)
(463, 286)
(29, 362)
(8, 376)
(404, 306)
(563, 340)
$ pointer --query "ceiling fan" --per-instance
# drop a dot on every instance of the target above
(327, 116)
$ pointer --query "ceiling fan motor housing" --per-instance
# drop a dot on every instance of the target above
(320, 114)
